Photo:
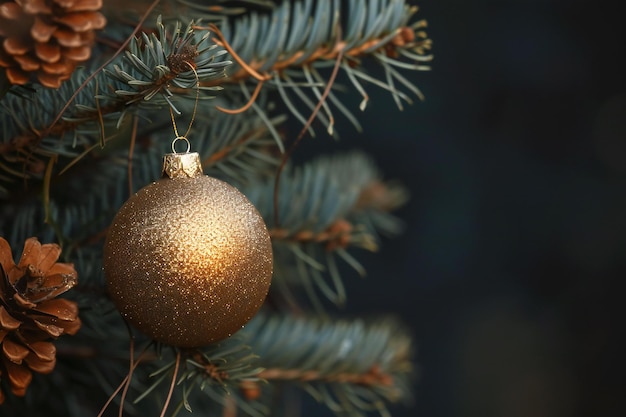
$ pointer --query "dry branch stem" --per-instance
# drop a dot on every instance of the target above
(338, 234)
(402, 39)
(374, 376)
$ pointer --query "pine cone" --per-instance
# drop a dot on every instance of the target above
(48, 38)
(30, 315)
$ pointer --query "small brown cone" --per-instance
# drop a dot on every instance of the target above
(47, 39)
(30, 314)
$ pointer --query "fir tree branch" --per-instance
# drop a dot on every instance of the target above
(329, 205)
(138, 82)
(296, 39)
(356, 365)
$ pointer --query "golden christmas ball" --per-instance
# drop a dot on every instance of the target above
(188, 259)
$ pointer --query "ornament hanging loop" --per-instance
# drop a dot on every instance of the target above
(181, 138)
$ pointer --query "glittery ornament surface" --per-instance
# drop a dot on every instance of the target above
(188, 261)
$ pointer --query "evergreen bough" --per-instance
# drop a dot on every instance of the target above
(70, 157)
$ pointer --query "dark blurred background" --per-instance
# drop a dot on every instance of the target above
(515, 245)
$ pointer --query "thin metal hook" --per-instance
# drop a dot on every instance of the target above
(180, 138)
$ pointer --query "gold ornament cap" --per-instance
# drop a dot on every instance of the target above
(182, 165)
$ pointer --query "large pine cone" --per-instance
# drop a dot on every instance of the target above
(30, 315)
(47, 38)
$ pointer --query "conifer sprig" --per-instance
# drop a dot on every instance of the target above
(328, 206)
(352, 366)
(293, 43)
(140, 81)
(162, 60)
